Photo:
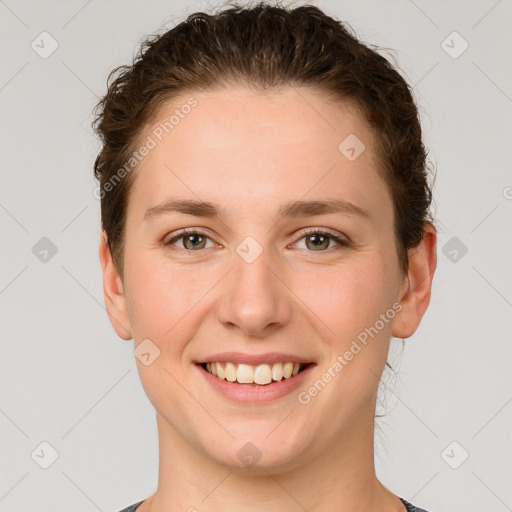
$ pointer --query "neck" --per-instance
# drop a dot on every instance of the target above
(341, 478)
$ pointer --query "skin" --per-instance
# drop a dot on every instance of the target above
(250, 152)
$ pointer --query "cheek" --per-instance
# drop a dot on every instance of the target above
(167, 302)
(157, 296)
(350, 304)
(347, 299)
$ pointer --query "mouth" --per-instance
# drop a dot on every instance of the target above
(254, 375)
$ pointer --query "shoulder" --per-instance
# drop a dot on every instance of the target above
(131, 508)
(411, 508)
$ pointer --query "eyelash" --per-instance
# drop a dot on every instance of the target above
(344, 243)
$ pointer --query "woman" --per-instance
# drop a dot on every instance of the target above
(265, 232)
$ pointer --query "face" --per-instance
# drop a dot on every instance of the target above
(258, 280)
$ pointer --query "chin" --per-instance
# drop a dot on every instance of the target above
(258, 454)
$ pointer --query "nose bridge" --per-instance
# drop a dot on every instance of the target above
(256, 300)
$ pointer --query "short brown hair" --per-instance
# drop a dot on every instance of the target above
(265, 46)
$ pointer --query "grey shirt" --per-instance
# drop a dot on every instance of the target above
(408, 506)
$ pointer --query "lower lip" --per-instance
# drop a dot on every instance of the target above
(255, 393)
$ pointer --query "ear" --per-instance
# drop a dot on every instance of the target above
(115, 300)
(418, 284)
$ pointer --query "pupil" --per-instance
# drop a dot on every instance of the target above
(318, 240)
(190, 238)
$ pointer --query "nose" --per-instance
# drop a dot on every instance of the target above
(254, 299)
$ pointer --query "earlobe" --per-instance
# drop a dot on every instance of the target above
(113, 292)
(415, 295)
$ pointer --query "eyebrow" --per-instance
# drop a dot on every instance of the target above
(290, 209)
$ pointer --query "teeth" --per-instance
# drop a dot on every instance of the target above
(263, 374)
(244, 374)
(220, 371)
(287, 370)
(277, 371)
(247, 374)
(230, 372)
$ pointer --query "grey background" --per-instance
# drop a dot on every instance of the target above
(67, 379)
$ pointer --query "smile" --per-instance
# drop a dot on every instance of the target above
(255, 378)
(261, 374)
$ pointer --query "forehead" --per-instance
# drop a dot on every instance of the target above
(237, 145)
(302, 119)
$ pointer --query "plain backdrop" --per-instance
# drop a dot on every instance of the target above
(68, 381)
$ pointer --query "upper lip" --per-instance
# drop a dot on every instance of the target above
(254, 359)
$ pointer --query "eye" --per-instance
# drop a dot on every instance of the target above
(316, 239)
(192, 240)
